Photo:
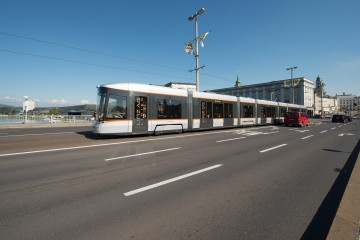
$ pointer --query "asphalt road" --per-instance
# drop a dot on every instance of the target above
(248, 183)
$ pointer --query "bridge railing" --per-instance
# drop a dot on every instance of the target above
(45, 119)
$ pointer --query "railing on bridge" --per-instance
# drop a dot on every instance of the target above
(45, 119)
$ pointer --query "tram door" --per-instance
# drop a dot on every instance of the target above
(262, 115)
(140, 122)
(206, 120)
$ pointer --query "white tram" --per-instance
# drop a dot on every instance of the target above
(130, 108)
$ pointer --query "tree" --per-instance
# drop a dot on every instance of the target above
(54, 111)
(8, 111)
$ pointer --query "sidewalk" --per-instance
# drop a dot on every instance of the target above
(346, 224)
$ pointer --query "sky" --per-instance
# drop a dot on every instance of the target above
(57, 52)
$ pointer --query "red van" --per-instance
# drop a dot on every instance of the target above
(296, 118)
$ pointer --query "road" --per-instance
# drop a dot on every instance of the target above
(265, 182)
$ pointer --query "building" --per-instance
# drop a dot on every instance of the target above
(326, 106)
(348, 103)
(86, 109)
(297, 90)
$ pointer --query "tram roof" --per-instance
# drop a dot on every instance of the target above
(154, 89)
(145, 88)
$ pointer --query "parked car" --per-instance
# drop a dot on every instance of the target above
(296, 119)
(340, 118)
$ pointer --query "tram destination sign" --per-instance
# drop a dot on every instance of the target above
(140, 109)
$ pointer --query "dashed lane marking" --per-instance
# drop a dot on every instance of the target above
(139, 190)
(269, 149)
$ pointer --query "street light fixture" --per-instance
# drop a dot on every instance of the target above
(195, 16)
(292, 82)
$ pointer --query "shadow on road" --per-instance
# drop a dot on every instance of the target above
(334, 150)
(320, 225)
(93, 136)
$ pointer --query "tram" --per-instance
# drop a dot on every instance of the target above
(132, 108)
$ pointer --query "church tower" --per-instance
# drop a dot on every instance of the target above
(238, 82)
(319, 89)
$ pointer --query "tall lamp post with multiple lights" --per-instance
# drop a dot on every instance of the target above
(292, 83)
(195, 16)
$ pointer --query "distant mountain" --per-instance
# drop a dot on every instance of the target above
(9, 110)
(8, 106)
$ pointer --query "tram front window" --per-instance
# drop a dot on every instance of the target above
(100, 106)
(116, 107)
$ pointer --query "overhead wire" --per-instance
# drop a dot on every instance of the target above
(103, 54)
(91, 51)
(90, 64)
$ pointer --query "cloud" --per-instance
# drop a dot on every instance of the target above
(12, 99)
(56, 101)
(84, 101)
(15, 101)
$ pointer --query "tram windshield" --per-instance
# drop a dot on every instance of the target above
(100, 105)
(111, 107)
(116, 107)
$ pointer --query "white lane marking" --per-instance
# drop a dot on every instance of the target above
(109, 144)
(302, 131)
(35, 134)
(342, 134)
(307, 137)
(253, 133)
(231, 139)
(324, 131)
(140, 154)
(254, 128)
(270, 132)
(333, 128)
(170, 180)
(269, 149)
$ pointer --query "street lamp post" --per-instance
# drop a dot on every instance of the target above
(195, 16)
(320, 85)
(292, 83)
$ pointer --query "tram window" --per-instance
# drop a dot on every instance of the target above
(282, 111)
(248, 111)
(262, 111)
(273, 111)
(229, 110)
(100, 105)
(218, 110)
(268, 112)
(168, 108)
(116, 107)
